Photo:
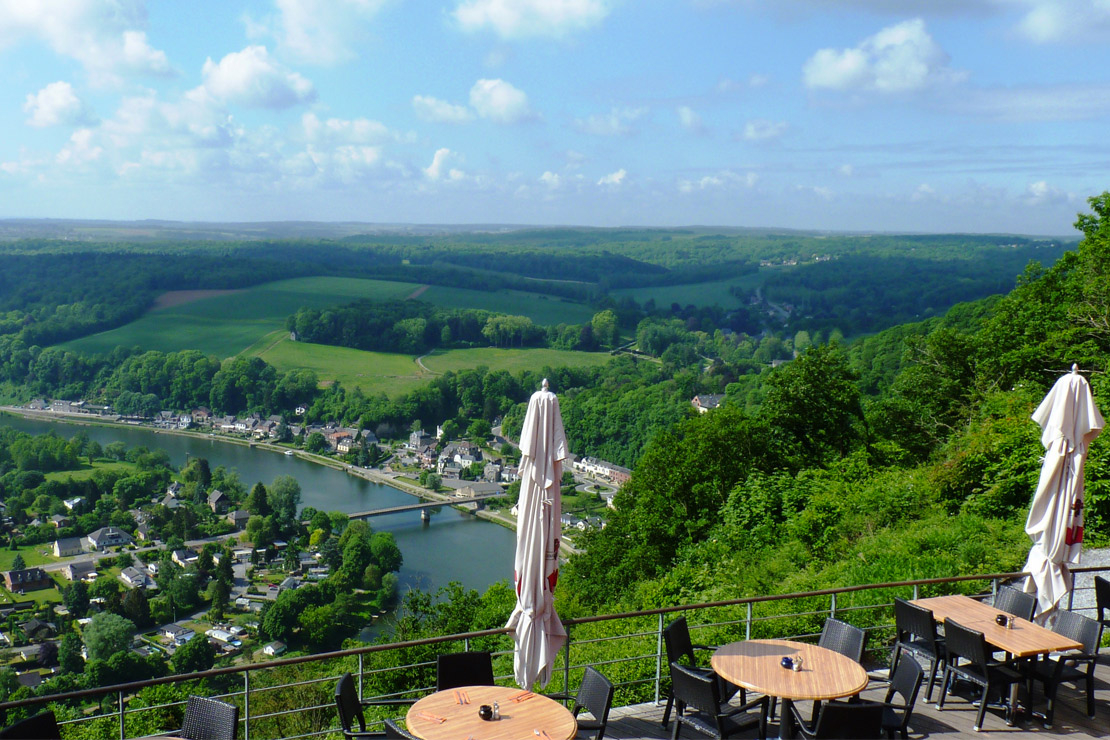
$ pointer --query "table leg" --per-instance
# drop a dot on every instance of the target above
(786, 719)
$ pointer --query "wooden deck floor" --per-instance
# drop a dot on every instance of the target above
(1071, 721)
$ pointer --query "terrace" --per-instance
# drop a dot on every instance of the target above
(292, 698)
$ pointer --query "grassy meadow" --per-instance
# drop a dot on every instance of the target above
(86, 471)
(395, 374)
(697, 294)
(226, 325)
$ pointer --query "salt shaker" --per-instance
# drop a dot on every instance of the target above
(496, 711)
(798, 663)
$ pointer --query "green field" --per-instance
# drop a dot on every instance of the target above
(394, 374)
(512, 360)
(697, 294)
(225, 325)
(86, 471)
(542, 309)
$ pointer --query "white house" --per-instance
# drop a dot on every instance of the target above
(67, 546)
(275, 648)
(177, 633)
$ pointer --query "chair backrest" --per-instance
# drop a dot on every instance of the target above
(843, 638)
(680, 647)
(473, 668)
(1079, 628)
(967, 644)
(41, 726)
(913, 621)
(209, 719)
(695, 689)
(1102, 597)
(595, 695)
(393, 729)
(905, 682)
(849, 720)
(348, 705)
(1015, 602)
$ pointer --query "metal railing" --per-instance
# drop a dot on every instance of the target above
(292, 697)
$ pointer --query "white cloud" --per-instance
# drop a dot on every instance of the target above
(513, 19)
(613, 179)
(1041, 193)
(762, 130)
(440, 169)
(899, 58)
(1048, 21)
(1065, 102)
(617, 122)
(690, 120)
(718, 181)
(106, 38)
(54, 105)
(551, 180)
(440, 111)
(323, 31)
(252, 77)
(499, 101)
(80, 149)
(924, 192)
(342, 131)
(846, 170)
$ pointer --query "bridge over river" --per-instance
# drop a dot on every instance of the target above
(423, 505)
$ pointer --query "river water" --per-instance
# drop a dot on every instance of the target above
(455, 546)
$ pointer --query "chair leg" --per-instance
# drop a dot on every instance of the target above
(774, 703)
(934, 664)
(667, 711)
(1091, 695)
(983, 701)
(944, 687)
(894, 656)
(674, 732)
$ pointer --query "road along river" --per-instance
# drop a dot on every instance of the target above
(455, 546)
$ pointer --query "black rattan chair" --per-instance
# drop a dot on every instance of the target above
(1015, 602)
(41, 726)
(680, 649)
(394, 730)
(1102, 600)
(1066, 668)
(917, 635)
(905, 682)
(595, 695)
(840, 637)
(350, 708)
(464, 669)
(695, 690)
(209, 719)
(843, 720)
(970, 646)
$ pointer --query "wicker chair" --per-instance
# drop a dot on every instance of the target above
(210, 719)
(394, 730)
(693, 689)
(595, 695)
(840, 637)
(680, 649)
(905, 682)
(1015, 602)
(1065, 668)
(1102, 600)
(41, 726)
(971, 646)
(917, 635)
(473, 668)
(843, 720)
(350, 708)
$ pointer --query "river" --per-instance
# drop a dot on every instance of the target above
(455, 546)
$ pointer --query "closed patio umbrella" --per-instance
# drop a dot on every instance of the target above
(1069, 421)
(537, 630)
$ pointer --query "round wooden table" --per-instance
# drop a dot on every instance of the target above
(519, 719)
(757, 665)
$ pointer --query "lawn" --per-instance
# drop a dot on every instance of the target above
(395, 374)
(511, 359)
(86, 471)
(32, 555)
(224, 325)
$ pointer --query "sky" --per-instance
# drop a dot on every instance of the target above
(884, 115)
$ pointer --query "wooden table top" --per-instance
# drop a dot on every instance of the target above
(519, 719)
(1024, 640)
(756, 665)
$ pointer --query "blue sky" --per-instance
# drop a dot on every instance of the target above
(896, 115)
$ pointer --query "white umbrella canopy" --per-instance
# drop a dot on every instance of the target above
(537, 629)
(1070, 421)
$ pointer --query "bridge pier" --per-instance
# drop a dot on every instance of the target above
(425, 516)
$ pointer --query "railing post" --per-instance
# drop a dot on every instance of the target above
(246, 705)
(566, 665)
(659, 658)
(748, 623)
(122, 731)
(994, 589)
(832, 605)
(360, 694)
(916, 592)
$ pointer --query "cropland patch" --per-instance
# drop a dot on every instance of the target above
(172, 298)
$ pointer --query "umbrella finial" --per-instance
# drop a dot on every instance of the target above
(1074, 369)
(544, 384)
